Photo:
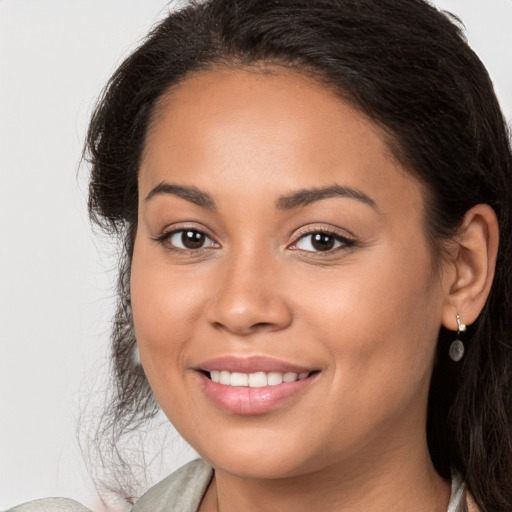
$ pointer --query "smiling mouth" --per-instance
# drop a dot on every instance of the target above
(253, 386)
(255, 379)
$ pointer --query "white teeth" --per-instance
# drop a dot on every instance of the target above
(255, 380)
(239, 379)
(289, 377)
(274, 378)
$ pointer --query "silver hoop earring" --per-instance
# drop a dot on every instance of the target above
(456, 351)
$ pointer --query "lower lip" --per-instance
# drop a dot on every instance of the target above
(250, 401)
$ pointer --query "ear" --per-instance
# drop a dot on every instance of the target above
(472, 265)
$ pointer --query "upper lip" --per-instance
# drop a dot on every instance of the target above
(251, 365)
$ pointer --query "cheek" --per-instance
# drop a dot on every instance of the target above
(379, 319)
(165, 311)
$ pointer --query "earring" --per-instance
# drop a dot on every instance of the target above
(456, 351)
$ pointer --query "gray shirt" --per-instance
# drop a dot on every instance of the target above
(183, 491)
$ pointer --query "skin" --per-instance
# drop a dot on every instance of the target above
(365, 314)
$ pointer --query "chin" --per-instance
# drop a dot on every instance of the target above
(258, 465)
(254, 457)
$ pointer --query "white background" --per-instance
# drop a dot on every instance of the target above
(56, 277)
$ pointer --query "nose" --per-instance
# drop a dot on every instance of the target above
(249, 297)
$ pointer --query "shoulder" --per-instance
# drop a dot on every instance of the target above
(50, 505)
(183, 490)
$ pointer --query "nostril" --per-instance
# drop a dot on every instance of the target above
(262, 326)
(241, 328)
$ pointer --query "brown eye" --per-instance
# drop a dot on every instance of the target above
(322, 242)
(190, 239)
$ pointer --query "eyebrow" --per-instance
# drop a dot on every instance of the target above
(192, 194)
(308, 196)
(297, 199)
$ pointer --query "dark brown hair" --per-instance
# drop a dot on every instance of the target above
(409, 68)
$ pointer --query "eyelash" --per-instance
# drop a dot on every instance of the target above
(165, 240)
(344, 242)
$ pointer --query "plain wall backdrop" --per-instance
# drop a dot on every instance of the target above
(56, 276)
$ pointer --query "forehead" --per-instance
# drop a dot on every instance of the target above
(274, 128)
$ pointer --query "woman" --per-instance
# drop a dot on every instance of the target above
(315, 200)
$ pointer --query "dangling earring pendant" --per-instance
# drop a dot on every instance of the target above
(456, 351)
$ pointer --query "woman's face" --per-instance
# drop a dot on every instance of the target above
(278, 238)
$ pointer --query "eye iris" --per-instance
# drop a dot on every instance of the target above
(192, 239)
(322, 242)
